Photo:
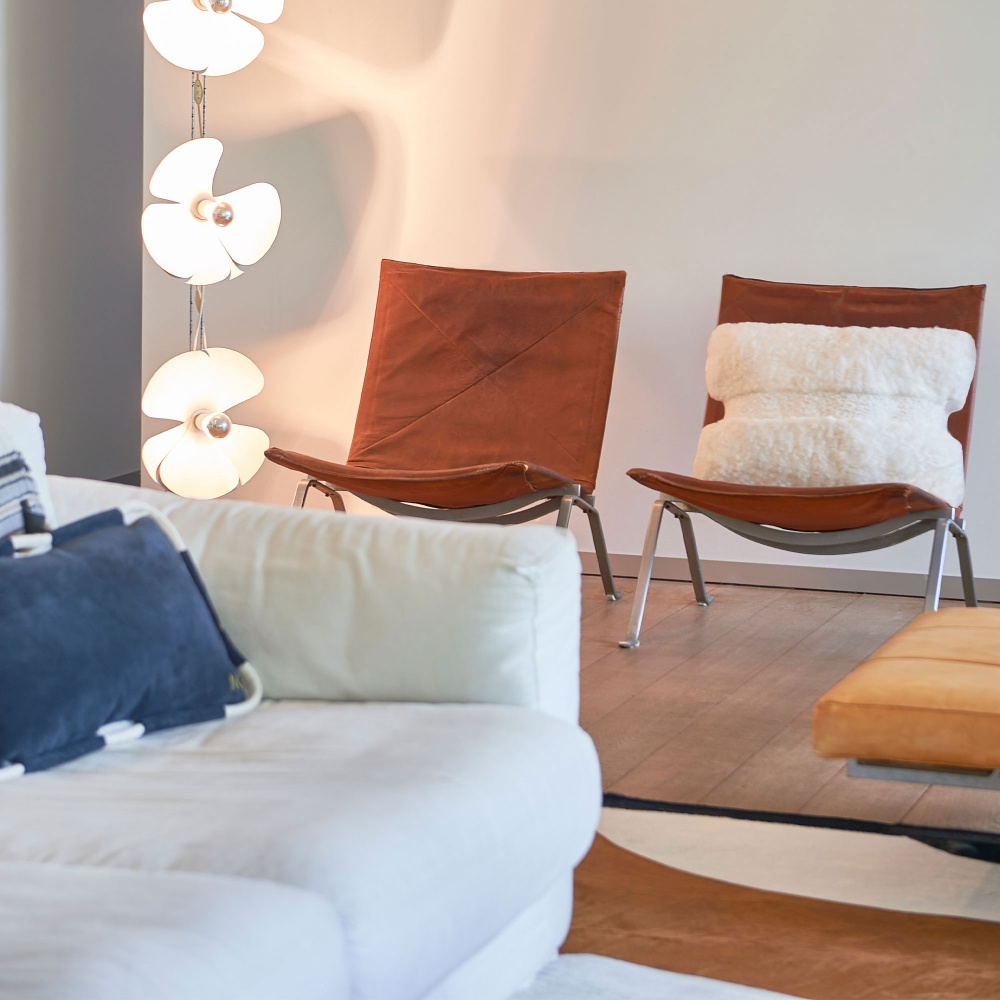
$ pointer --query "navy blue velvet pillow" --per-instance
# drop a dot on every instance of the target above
(107, 634)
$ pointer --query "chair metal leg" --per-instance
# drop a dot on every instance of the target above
(306, 485)
(601, 550)
(645, 572)
(300, 492)
(701, 595)
(565, 509)
(936, 571)
(965, 562)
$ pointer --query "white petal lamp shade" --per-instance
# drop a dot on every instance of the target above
(200, 237)
(209, 36)
(207, 455)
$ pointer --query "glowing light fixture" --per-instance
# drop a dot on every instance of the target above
(209, 36)
(203, 238)
(208, 454)
(200, 237)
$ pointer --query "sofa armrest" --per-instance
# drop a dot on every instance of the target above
(342, 607)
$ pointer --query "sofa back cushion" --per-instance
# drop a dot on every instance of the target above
(351, 608)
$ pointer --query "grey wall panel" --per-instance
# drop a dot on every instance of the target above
(70, 315)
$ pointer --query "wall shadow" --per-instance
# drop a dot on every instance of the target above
(324, 174)
(393, 34)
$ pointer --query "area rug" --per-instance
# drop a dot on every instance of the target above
(967, 843)
(594, 977)
(843, 866)
(638, 910)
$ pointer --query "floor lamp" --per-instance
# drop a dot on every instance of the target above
(202, 238)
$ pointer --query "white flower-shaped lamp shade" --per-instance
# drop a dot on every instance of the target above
(200, 237)
(207, 455)
(209, 36)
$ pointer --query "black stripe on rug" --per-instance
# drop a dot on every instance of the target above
(967, 843)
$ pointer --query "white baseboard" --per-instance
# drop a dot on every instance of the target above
(854, 581)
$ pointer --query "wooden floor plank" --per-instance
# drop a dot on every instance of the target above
(857, 798)
(793, 682)
(623, 673)
(959, 808)
(608, 622)
(715, 704)
(593, 598)
(780, 777)
(701, 756)
(734, 660)
(691, 765)
(624, 743)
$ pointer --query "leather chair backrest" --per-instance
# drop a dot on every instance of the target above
(470, 367)
(749, 300)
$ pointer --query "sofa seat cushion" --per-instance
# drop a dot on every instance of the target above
(428, 827)
(930, 696)
(100, 932)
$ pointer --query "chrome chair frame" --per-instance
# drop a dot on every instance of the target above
(955, 778)
(515, 511)
(942, 521)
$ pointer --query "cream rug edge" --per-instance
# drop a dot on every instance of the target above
(867, 869)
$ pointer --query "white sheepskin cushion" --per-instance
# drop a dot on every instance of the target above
(836, 406)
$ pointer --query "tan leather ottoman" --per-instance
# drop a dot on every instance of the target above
(930, 697)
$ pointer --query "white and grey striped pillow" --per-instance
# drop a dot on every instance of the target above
(21, 509)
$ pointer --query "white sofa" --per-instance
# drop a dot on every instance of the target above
(400, 820)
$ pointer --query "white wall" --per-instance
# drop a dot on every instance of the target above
(838, 141)
(70, 306)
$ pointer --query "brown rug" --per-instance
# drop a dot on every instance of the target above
(635, 909)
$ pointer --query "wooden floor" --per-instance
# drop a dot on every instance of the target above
(715, 705)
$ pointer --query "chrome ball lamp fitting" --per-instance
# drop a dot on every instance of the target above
(216, 425)
(222, 214)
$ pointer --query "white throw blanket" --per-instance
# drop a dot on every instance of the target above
(836, 406)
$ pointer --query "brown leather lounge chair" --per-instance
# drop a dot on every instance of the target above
(485, 398)
(827, 520)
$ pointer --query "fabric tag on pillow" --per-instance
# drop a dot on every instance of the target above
(21, 510)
